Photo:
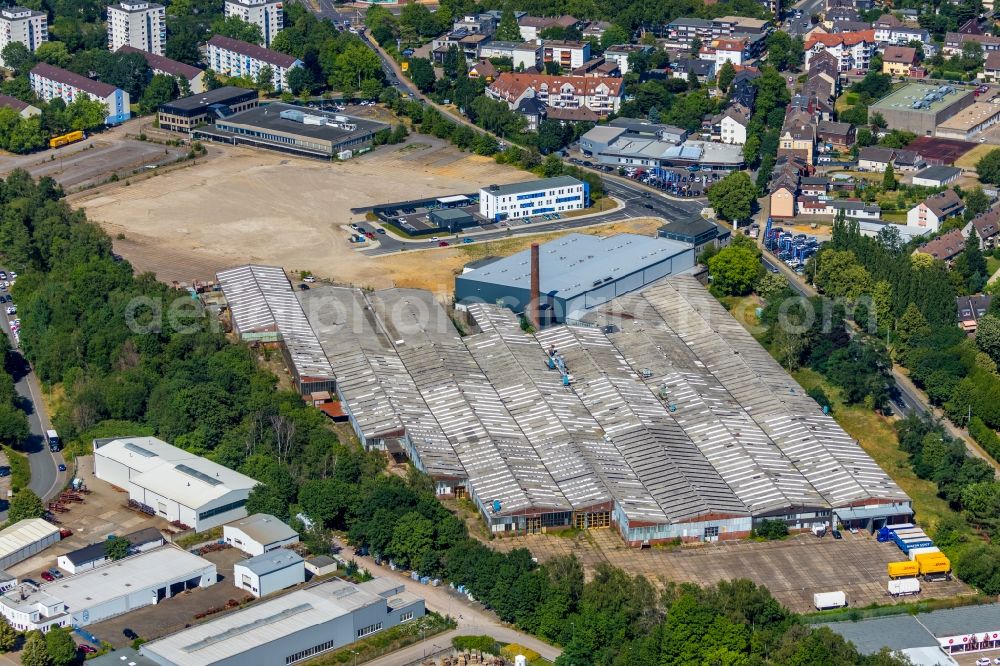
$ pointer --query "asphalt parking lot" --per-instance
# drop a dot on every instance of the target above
(793, 569)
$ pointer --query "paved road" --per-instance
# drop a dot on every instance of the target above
(472, 618)
(800, 26)
(46, 479)
(909, 398)
(636, 201)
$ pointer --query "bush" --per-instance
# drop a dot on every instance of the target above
(985, 436)
(512, 650)
(480, 643)
(20, 471)
(771, 529)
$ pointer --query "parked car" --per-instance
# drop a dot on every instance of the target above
(303, 287)
(836, 534)
(309, 278)
(467, 241)
(434, 239)
(86, 649)
(31, 581)
(443, 244)
(129, 634)
(380, 230)
(55, 573)
(47, 577)
(983, 661)
(65, 533)
(62, 467)
(11, 309)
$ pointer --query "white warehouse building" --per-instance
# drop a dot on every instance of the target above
(271, 572)
(114, 589)
(292, 627)
(534, 197)
(258, 534)
(25, 538)
(171, 483)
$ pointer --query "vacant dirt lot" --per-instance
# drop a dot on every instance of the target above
(793, 569)
(249, 205)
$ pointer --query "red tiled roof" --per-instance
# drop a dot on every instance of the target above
(845, 38)
(512, 85)
(945, 247)
(729, 44)
(899, 54)
(162, 64)
(47, 71)
(259, 52)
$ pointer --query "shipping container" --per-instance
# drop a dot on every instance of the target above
(903, 569)
(904, 586)
(827, 600)
(910, 544)
(885, 534)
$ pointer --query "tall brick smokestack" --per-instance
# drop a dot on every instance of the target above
(534, 306)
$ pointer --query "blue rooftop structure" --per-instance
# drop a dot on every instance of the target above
(576, 272)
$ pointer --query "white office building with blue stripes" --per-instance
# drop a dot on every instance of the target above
(534, 197)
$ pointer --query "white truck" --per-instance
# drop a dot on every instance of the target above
(54, 443)
(828, 600)
(902, 587)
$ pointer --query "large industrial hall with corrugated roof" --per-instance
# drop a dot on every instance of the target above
(655, 412)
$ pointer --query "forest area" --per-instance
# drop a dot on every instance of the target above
(200, 392)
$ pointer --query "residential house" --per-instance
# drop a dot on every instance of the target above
(945, 248)
(908, 160)
(702, 69)
(970, 309)
(841, 15)
(986, 227)
(469, 44)
(817, 107)
(532, 27)
(852, 209)
(798, 136)
(23, 109)
(875, 158)
(784, 185)
(898, 60)
(595, 29)
(821, 85)
(730, 126)
(932, 211)
(481, 23)
(853, 50)
(232, 57)
(601, 95)
(522, 55)
(954, 42)
(533, 112)
(742, 90)
(684, 31)
(567, 55)
(892, 31)
(727, 26)
(839, 136)
(51, 82)
(620, 54)
(484, 69)
(162, 65)
(725, 50)
(991, 68)
(814, 186)
(599, 67)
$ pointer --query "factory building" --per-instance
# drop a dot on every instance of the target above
(105, 592)
(25, 538)
(183, 115)
(290, 129)
(292, 627)
(577, 272)
(263, 309)
(676, 423)
(534, 197)
(269, 572)
(171, 483)
(921, 107)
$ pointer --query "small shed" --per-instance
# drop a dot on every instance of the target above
(258, 534)
(271, 572)
(452, 219)
(321, 565)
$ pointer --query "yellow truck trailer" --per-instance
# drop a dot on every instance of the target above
(903, 569)
(934, 565)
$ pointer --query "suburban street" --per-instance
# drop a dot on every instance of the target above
(46, 479)
(636, 201)
(798, 27)
(909, 398)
